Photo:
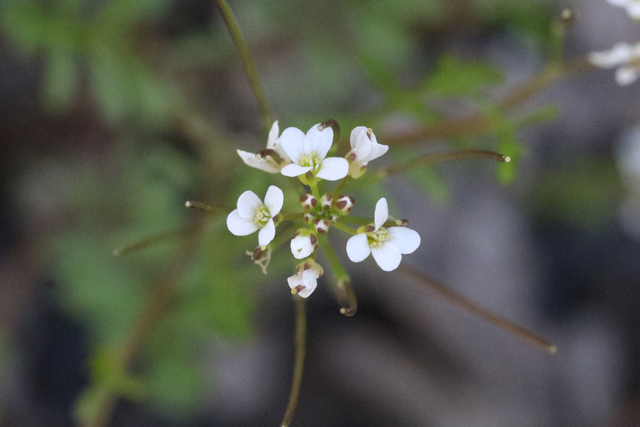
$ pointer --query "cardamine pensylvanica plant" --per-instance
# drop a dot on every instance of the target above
(304, 156)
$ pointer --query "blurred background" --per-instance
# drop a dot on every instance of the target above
(113, 113)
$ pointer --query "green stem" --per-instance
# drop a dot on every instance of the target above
(314, 189)
(462, 301)
(344, 228)
(292, 216)
(344, 292)
(456, 155)
(247, 62)
(150, 241)
(301, 332)
(343, 182)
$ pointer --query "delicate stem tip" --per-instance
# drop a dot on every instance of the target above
(455, 155)
(198, 205)
(567, 16)
(332, 124)
(507, 159)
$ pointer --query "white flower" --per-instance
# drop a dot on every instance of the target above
(253, 215)
(305, 280)
(303, 244)
(385, 244)
(632, 7)
(364, 148)
(308, 152)
(267, 163)
(624, 56)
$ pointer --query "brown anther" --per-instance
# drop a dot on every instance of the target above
(370, 228)
(257, 254)
(351, 156)
(309, 175)
(313, 239)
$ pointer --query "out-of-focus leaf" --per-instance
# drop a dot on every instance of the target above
(583, 194)
(452, 77)
(60, 79)
(425, 177)
(541, 115)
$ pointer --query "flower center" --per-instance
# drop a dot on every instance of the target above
(262, 216)
(311, 161)
(377, 238)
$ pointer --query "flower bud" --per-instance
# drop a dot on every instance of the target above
(344, 204)
(326, 201)
(308, 201)
(322, 225)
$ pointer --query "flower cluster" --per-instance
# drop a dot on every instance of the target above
(305, 157)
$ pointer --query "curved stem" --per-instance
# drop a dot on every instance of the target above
(150, 241)
(488, 315)
(344, 292)
(300, 334)
(247, 62)
(479, 124)
(455, 155)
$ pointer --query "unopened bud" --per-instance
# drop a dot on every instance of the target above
(322, 225)
(308, 201)
(308, 217)
(344, 204)
(326, 201)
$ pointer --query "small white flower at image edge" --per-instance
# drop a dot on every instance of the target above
(267, 164)
(623, 56)
(364, 148)
(386, 245)
(304, 282)
(308, 153)
(252, 215)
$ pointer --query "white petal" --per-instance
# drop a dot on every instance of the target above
(620, 53)
(363, 147)
(377, 150)
(267, 233)
(355, 133)
(262, 164)
(310, 282)
(274, 200)
(292, 142)
(381, 214)
(318, 141)
(240, 226)
(633, 9)
(626, 75)
(358, 248)
(273, 135)
(333, 168)
(387, 256)
(294, 170)
(301, 247)
(405, 239)
(248, 203)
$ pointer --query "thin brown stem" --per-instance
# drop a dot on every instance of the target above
(153, 240)
(300, 338)
(157, 304)
(461, 301)
(478, 123)
(455, 155)
(247, 62)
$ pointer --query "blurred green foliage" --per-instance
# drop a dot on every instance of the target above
(350, 60)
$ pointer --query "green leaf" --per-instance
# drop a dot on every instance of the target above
(60, 79)
(455, 78)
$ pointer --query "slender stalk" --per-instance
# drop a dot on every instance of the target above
(344, 292)
(478, 124)
(247, 62)
(463, 302)
(205, 208)
(298, 366)
(150, 241)
(344, 228)
(343, 182)
(455, 155)
(157, 304)
(292, 216)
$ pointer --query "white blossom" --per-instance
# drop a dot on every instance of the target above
(308, 152)
(305, 281)
(387, 245)
(631, 6)
(625, 57)
(364, 148)
(267, 163)
(303, 244)
(252, 215)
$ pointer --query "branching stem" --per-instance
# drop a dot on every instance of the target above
(300, 338)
